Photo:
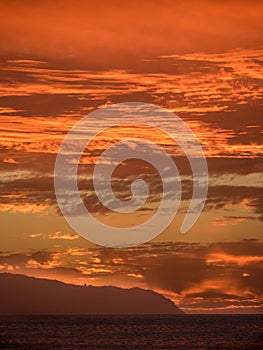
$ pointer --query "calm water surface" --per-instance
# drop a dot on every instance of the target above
(132, 332)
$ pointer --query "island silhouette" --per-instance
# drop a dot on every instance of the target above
(24, 295)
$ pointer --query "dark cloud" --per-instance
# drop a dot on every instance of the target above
(20, 259)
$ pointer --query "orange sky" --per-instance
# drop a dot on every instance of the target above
(201, 60)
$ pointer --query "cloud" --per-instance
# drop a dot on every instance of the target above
(216, 27)
(53, 236)
(66, 236)
(10, 160)
(198, 276)
(36, 235)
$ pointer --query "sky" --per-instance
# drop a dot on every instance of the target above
(199, 59)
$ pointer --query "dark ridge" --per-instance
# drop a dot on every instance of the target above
(23, 295)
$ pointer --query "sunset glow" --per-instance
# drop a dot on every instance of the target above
(207, 67)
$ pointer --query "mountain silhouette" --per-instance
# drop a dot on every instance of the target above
(23, 295)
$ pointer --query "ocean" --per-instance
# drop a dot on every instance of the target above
(132, 332)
